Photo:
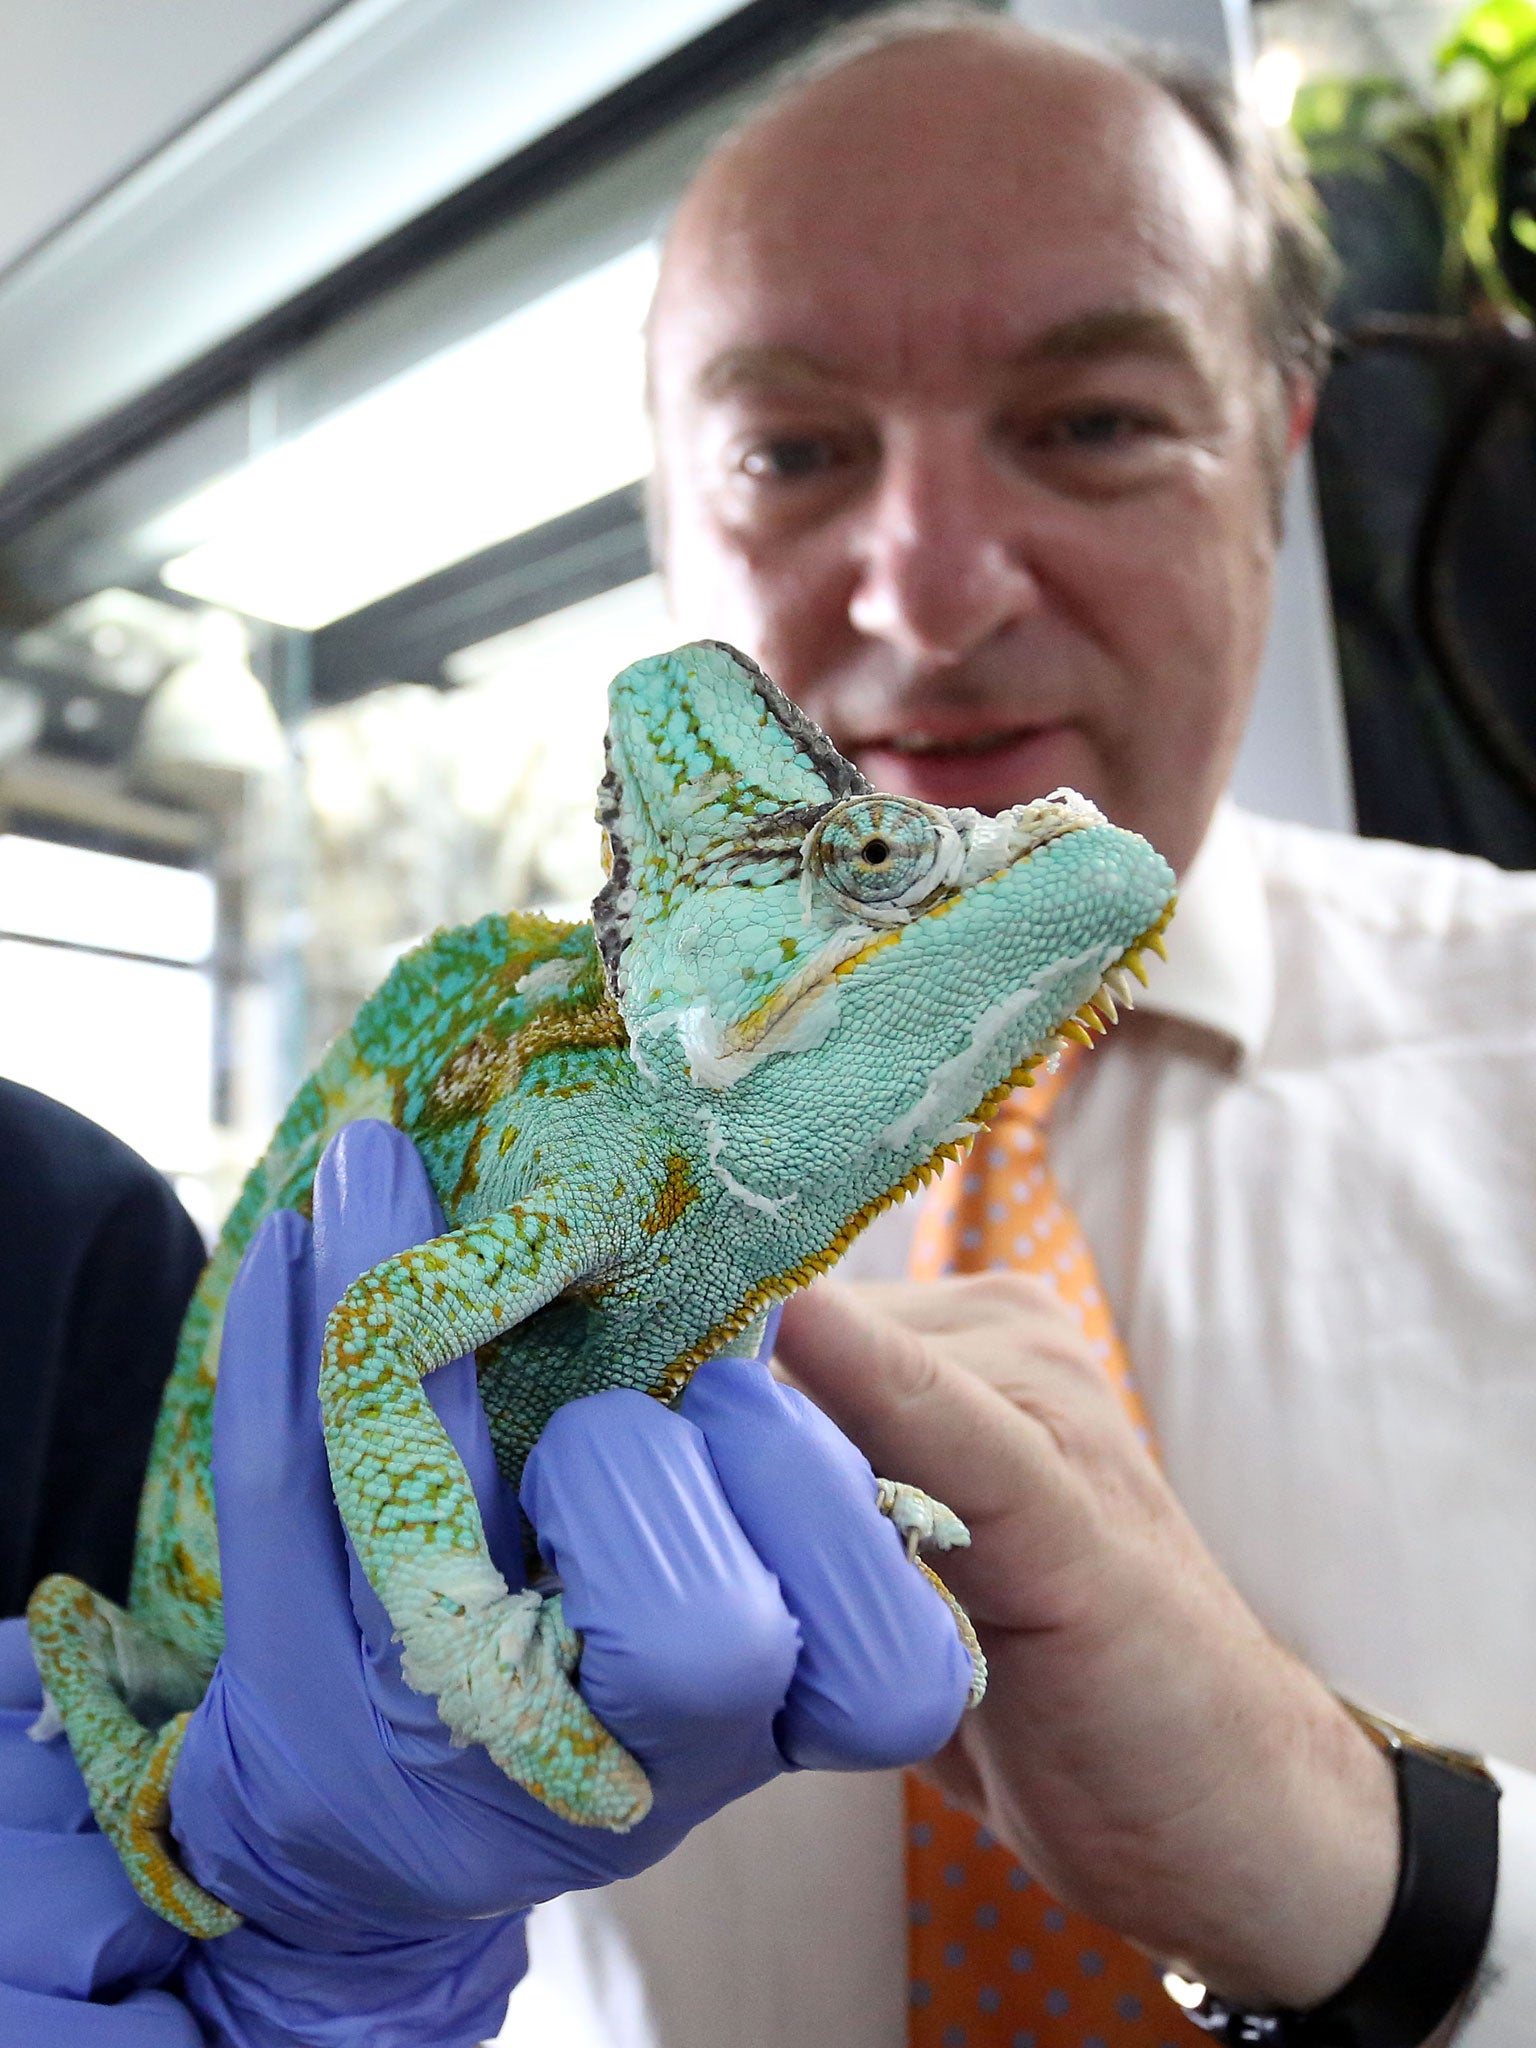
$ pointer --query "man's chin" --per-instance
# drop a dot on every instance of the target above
(1017, 768)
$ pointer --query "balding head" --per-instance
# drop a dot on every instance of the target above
(1287, 266)
(939, 332)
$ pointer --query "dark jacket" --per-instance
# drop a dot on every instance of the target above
(97, 1260)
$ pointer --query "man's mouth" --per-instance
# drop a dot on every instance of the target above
(921, 743)
(988, 769)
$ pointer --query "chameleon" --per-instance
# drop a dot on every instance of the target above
(796, 1000)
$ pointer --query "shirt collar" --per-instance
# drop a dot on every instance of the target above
(1220, 972)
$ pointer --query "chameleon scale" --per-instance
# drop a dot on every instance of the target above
(796, 999)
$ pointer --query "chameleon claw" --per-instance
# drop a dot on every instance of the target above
(923, 1520)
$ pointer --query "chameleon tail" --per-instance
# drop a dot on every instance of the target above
(93, 1659)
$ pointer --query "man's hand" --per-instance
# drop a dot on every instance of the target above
(745, 1609)
(1146, 1749)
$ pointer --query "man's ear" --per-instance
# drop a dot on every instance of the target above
(1301, 411)
(655, 507)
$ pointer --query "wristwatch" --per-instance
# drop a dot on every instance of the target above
(1430, 1948)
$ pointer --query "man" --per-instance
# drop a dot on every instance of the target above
(973, 392)
(976, 362)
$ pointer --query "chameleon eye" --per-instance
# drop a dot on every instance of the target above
(882, 854)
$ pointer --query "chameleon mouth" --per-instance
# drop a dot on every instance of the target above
(1090, 1021)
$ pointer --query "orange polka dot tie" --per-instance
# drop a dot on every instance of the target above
(993, 1961)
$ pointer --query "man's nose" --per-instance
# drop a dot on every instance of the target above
(940, 563)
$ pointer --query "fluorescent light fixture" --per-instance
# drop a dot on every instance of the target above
(530, 418)
(82, 898)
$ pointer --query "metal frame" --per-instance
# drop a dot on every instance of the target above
(406, 637)
(727, 54)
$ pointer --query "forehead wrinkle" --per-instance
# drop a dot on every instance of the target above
(755, 231)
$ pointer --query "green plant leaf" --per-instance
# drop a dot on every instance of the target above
(1495, 34)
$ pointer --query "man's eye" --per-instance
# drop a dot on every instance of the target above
(789, 456)
(1105, 427)
(1092, 429)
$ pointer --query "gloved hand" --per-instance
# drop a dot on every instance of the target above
(745, 1610)
(72, 1928)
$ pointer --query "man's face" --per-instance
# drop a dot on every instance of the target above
(963, 435)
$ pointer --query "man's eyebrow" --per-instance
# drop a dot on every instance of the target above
(1119, 330)
(1110, 331)
(752, 366)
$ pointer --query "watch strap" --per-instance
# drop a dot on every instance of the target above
(1433, 1940)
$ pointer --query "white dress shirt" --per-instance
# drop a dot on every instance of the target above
(1307, 1168)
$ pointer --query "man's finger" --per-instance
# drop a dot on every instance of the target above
(915, 1415)
(970, 1301)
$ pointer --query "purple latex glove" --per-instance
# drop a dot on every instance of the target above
(72, 1928)
(745, 1610)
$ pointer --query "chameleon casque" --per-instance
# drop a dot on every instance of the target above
(797, 998)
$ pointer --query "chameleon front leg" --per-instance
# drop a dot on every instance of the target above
(922, 1519)
(501, 1665)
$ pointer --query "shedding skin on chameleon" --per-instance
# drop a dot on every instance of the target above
(796, 1000)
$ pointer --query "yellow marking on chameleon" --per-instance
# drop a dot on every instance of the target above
(469, 1172)
(532, 938)
(781, 1002)
(189, 1578)
(854, 961)
(146, 1826)
(472, 1078)
(361, 1091)
(572, 1027)
(778, 1287)
(806, 986)
(964, 1628)
(676, 1194)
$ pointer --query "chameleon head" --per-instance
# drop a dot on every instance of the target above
(832, 981)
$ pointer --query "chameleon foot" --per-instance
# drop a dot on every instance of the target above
(922, 1519)
(502, 1669)
(103, 1671)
